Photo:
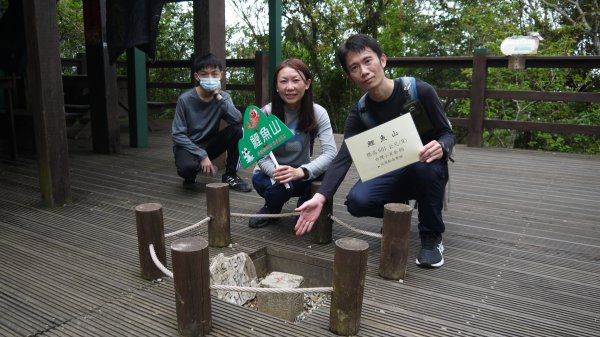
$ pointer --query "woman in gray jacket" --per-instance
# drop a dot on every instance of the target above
(293, 104)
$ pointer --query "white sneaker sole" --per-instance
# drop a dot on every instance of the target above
(435, 265)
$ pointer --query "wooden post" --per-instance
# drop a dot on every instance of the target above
(322, 229)
(478, 87)
(516, 62)
(45, 101)
(150, 230)
(209, 28)
(217, 208)
(394, 242)
(82, 67)
(261, 78)
(9, 85)
(191, 278)
(136, 96)
(102, 80)
(349, 270)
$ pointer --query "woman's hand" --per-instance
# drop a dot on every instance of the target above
(284, 174)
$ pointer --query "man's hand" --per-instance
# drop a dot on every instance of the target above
(309, 213)
(430, 152)
(206, 167)
(284, 174)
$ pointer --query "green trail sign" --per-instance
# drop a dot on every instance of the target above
(262, 134)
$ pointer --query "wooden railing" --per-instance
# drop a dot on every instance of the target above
(259, 64)
(480, 62)
(478, 93)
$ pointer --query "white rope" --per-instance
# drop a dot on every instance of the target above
(271, 290)
(158, 264)
(169, 273)
(375, 235)
(183, 230)
(254, 215)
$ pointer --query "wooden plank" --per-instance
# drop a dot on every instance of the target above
(590, 97)
(521, 250)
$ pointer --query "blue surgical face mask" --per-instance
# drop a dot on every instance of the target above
(210, 84)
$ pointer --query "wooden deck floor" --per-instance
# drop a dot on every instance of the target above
(522, 251)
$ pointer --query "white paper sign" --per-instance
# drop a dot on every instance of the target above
(385, 148)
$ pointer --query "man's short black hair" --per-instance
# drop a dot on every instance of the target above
(207, 61)
(357, 43)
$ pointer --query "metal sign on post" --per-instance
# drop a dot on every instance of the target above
(262, 134)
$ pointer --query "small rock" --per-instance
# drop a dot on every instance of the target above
(237, 270)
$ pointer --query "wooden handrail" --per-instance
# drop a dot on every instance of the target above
(480, 62)
(479, 92)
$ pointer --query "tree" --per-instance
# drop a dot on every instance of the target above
(312, 31)
(584, 16)
(70, 27)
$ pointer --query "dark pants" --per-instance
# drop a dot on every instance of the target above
(277, 195)
(188, 165)
(425, 183)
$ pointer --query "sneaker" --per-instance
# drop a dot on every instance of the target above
(236, 183)
(190, 185)
(430, 255)
(262, 222)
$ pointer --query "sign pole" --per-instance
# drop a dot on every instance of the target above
(272, 156)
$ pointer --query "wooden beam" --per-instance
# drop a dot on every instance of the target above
(590, 130)
(261, 79)
(8, 86)
(209, 28)
(102, 77)
(209, 37)
(478, 86)
(45, 100)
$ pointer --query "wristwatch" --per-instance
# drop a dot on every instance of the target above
(306, 174)
(445, 150)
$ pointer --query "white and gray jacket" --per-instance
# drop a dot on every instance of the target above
(296, 151)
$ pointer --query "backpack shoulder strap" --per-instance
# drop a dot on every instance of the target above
(410, 87)
(410, 91)
(363, 112)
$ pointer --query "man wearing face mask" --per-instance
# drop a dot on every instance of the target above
(196, 136)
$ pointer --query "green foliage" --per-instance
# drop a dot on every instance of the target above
(70, 28)
(313, 29)
(3, 6)
(175, 41)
